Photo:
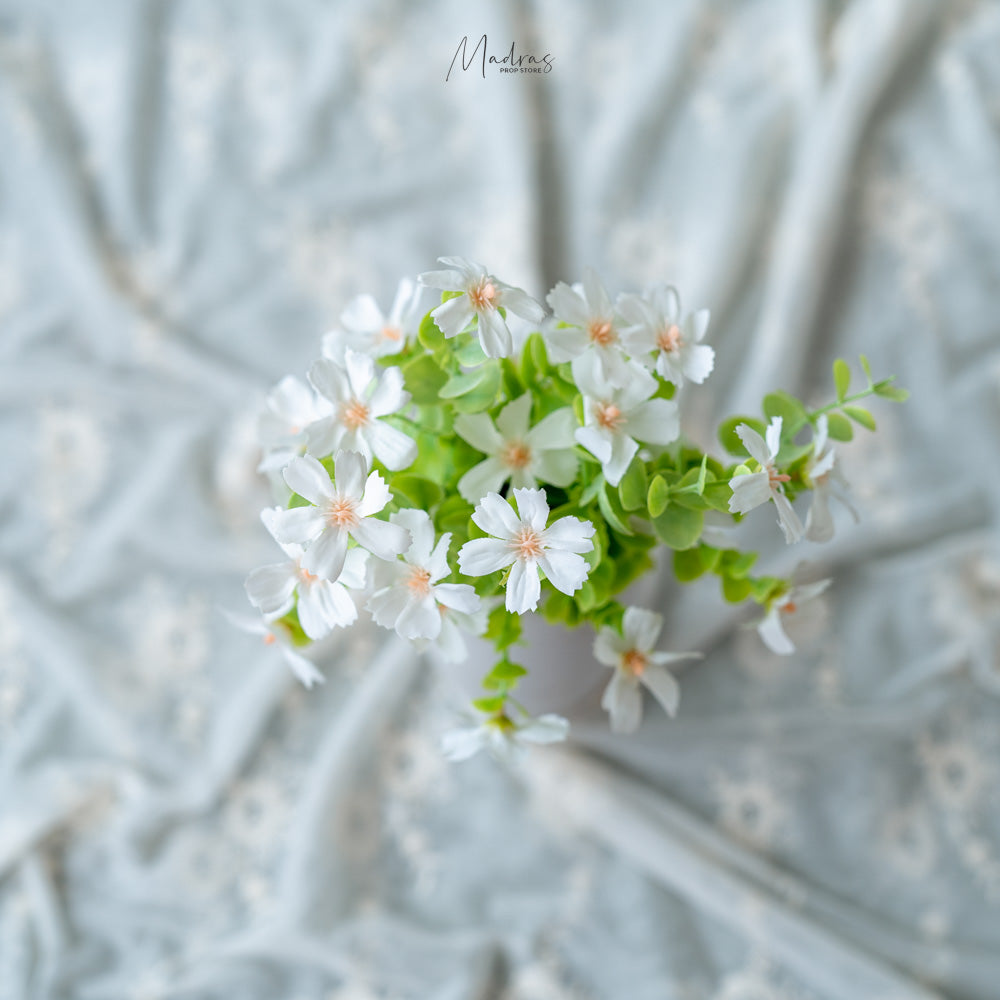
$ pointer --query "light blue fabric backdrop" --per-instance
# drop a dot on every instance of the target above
(189, 194)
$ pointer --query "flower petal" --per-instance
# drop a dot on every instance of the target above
(513, 418)
(553, 431)
(608, 646)
(566, 571)
(324, 436)
(420, 619)
(569, 534)
(556, 467)
(330, 380)
(750, 490)
(568, 305)
(307, 477)
(520, 303)
(548, 728)
(496, 516)
(532, 508)
(486, 477)
(362, 315)
(494, 335)
(699, 362)
(773, 436)
(303, 668)
(271, 588)
(523, 587)
(325, 557)
(453, 316)
(754, 444)
(478, 430)
(418, 524)
(324, 605)
(598, 443)
(622, 700)
(299, 524)
(461, 744)
(451, 280)
(598, 302)
(791, 526)
(623, 449)
(349, 471)
(641, 628)
(482, 556)
(662, 683)
(376, 495)
(771, 630)
(389, 395)
(382, 539)
(819, 520)
(387, 604)
(459, 596)
(655, 422)
(394, 449)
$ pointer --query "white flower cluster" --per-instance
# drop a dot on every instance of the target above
(343, 550)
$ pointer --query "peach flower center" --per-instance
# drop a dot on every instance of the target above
(527, 544)
(484, 295)
(392, 333)
(601, 333)
(608, 416)
(419, 581)
(354, 414)
(340, 513)
(670, 338)
(516, 455)
(634, 662)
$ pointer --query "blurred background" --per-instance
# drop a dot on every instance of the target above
(190, 193)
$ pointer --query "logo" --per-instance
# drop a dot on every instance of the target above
(511, 62)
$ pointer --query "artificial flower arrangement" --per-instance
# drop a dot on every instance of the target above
(449, 476)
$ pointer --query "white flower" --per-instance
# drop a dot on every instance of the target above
(366, 329)
(617, 418)
(408, 597)
(482, 296)
(770, 627)
(522, 542)
(659, 337)
(631, 655)
(503, 737)
(290, 407)
(338, 510)
(823, 472)
(593, 327)
(359, 399)
(752, 489)
(322, 604)
(522, 455)
(278, 635)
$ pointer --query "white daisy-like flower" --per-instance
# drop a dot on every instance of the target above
(617, 418)
(631, 654)
(365, 328)
(481, 298)
(278, 635)
(752, 489)
(823, 472)
(322, 604)
(408, 596)
(339, 509)
(522, 541)
(455, 626)
(282, 428)
(771, 628)
(503, 737)
(519, 453)
(660, 337)
(593, 326)
(360, 398)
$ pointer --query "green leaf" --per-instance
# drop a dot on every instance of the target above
(735, 589)
(503, 628)
(866, 368)
(633, 487)
(463, 382)
(423, 380)
(421, 493)
(841, 378)
(679, 527)
(507, 671)
(860, 416)
(839, 427)
(490, 706)
(891, 392)
(737, 564)
(484, 395)
(591, 490)
(688, 565)
(727, 433)
(470, 353)
(790, 409)
(658, 496)
(614, 518)
(702, 475)
(430, 335)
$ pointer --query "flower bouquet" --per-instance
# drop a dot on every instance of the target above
(451, 471)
